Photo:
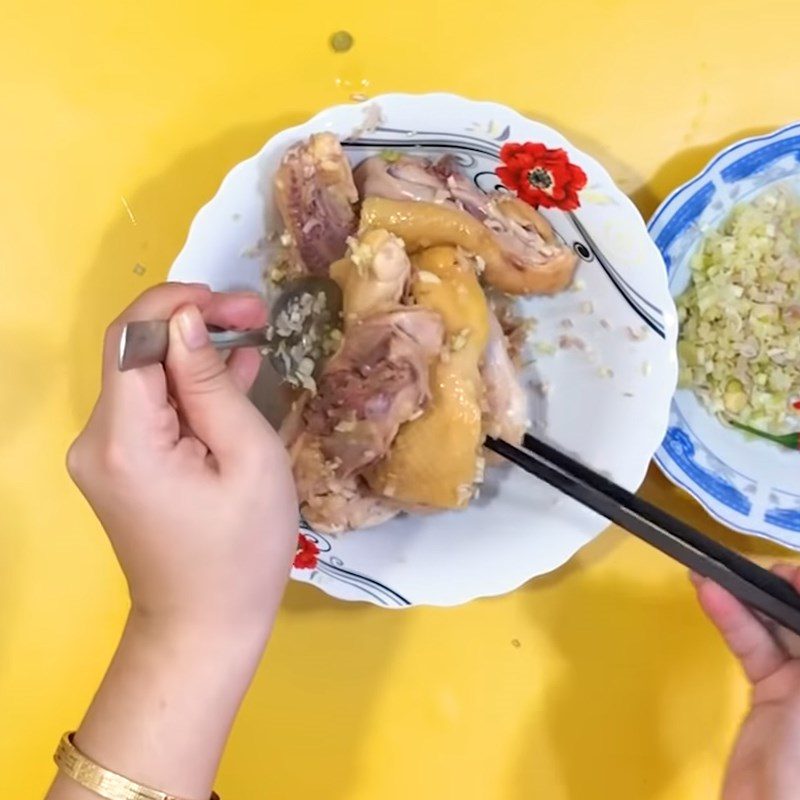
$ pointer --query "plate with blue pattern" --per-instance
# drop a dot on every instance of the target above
(748, 484)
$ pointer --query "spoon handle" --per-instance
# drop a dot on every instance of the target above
(145, 343)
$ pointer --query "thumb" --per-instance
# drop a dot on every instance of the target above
(220, 415)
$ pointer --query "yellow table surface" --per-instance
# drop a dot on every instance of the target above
(118, 122)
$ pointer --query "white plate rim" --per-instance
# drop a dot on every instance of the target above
(487, 108)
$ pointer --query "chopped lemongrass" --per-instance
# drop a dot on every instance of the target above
(740, 317)
(459, 341)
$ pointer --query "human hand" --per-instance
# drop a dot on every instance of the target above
(192, 485)
(765, 762)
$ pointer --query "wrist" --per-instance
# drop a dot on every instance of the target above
(179, 635)
(165, 707)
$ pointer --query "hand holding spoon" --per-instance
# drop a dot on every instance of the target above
(306, 325)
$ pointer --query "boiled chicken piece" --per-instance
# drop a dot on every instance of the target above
(328, 502)
(435, 458)
(525, 236)
(378, 380)
(420, 225)
(373, 277)
(528, 257)
(403, 178)
(315, 195)
(506, 415)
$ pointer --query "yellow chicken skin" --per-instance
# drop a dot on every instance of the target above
(421, 225)
(433, 460)
(523, 256)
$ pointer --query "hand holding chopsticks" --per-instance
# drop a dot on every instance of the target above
(753, 585)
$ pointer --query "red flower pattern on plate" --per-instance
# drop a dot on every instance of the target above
(307, 553)
(541, 176)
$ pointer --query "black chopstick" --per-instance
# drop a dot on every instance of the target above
(750, 583)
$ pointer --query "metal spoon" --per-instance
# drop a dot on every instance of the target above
(304, 314)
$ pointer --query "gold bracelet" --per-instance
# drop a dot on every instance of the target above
(103, 782)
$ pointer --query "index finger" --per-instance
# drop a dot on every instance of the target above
(746, 636)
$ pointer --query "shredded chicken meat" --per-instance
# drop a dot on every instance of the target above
(506, 411)
(375, 383)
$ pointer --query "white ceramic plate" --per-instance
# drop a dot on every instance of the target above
(751, 485)
(519, 527)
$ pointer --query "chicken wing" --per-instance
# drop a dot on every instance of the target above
(527, 257)
(315, 195)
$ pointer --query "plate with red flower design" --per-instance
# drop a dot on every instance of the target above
(601, 366)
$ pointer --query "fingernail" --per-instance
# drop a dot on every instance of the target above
(192, 327)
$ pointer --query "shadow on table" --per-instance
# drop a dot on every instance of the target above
(325, 664)
(682, 166)
(627, 178)
(654, 709)
(647, 192)
(30, 359)
(622, 721)
(12, 543)
(147, 231)
(323, 649)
